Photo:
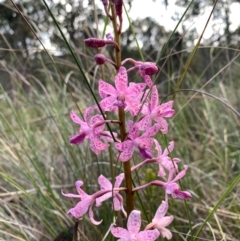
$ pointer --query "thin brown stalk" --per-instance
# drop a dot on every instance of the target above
(121, 115)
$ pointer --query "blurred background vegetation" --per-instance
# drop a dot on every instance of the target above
(36, 159)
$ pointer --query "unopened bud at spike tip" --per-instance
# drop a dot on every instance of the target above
(95, 42)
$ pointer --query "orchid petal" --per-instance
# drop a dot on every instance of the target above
(81, 208)
(75, 118)
(87, 114)
(135, 89)
(106, 89)
(145, 123)
(104, 183)
(121, 79)
(165, 233)
(119, 232)
(119, 180)
(91, 216)
(148, 235)
(161, 211)
(154, 98)
(107, 104)
(163, 124)
(77, 139)
(152, 131)
(134, 222)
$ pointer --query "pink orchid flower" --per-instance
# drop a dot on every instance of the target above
(143, 143)
(91, 129)
(165, 162)
(152, 111)
(160, 222)
(132, 232)
(171, 186)
(84, 205)
(117, 198)
(127, 97)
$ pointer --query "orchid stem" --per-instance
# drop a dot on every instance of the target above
(121, 115)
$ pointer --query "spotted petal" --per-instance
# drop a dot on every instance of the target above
(134, 222)
(106, 89)
(121, 79)
(148, 235)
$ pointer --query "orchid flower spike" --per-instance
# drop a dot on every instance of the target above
(132, 232)
(160, 221)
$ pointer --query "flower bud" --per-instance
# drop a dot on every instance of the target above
(149, 68)
(118, 7)
(95, 42)
(99, 59)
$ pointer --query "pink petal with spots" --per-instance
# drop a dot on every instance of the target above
(167, 106)
(99, 144)
(75, 118)
(133, 132)
(145, 108)
(148, 235)
(121, 79)
(158, 148)
(104, 183)
(161, 211)
(126, 154)
(87, 114)
(81, 208)
(145, 123)
(152, 131)
(133, 105)
(119, 180)
(181, 174)
(120, 232)
(163, 124)
(129, 124)
(169, 149)
(147, 142)
(134, 222)
(96, 119)
(154, 98)
(106, 89)
(116, 204)
(107, 104)
(148, 80)
(135, 89)
(93, 148)
(121, 146)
